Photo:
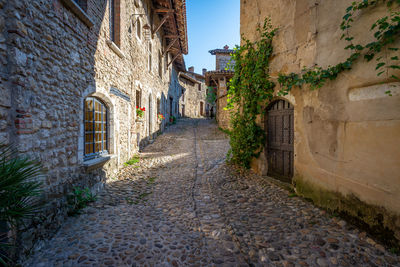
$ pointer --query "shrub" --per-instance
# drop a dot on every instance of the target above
(19, 191)
(79, 199)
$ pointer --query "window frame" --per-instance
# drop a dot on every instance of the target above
(138, 98)
(139, 29)
(105, 143)
(150, 59)
(160, 64)
(115, 22)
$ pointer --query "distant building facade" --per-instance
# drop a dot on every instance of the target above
(194, 95)
(218, 82)
(72, 74)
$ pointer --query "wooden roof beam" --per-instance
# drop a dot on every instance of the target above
(175, 57)
(164, 19)
(164, 10)
(170, 45)
(171, 36)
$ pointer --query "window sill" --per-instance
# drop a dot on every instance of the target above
(77, 10)
(115, 48)
(96, 163)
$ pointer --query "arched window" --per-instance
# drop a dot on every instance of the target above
(96, 128)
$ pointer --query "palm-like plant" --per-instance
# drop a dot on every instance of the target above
(18, 189)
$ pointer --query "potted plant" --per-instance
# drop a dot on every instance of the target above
(140, 113)
(160, 118)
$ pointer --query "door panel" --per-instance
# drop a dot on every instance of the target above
(280, 133)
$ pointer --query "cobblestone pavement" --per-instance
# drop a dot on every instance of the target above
(183, 206)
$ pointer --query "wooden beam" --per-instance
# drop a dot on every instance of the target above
(164, 10)
(171, 36)
(161, 23)
(175, 57)
(170, 45)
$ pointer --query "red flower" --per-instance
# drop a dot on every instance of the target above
(137, 107)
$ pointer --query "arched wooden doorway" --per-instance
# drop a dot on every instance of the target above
(280, 137)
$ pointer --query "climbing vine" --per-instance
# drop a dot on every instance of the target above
(249, 88)
(387, 32)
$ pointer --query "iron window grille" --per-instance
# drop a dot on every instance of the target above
(96, 128)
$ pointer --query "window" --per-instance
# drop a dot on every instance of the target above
(96, 128)
(150, 59)
(138, 98)
(82, 4)
(138, 29)
(166, 62)
(201, 109)
(183, 95)
(159, 64)
(158, 106)
(170, 105)
(199, 86)
(115, 21)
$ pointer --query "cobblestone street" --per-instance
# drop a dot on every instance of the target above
(183, 206)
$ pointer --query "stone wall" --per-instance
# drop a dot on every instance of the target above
(51, 60)
(346, 133)
(222, 60)
(5, 91)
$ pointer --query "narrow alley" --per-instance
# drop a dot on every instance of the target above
(181, 205)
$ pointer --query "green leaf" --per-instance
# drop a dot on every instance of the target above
(347, 16)
(359, 47)
(379, 65)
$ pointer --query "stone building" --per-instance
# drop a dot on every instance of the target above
(218, 82)
(339, 145)
(72, 73)
(194, 95)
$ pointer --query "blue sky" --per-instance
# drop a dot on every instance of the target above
(211, 24)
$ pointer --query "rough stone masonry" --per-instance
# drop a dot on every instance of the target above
(57, 56)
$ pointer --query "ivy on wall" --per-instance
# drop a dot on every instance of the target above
(251, 88)
(387, 32)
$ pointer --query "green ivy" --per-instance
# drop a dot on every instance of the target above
(249, 89)
(387, 32)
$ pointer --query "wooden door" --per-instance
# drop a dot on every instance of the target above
(280, 137)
